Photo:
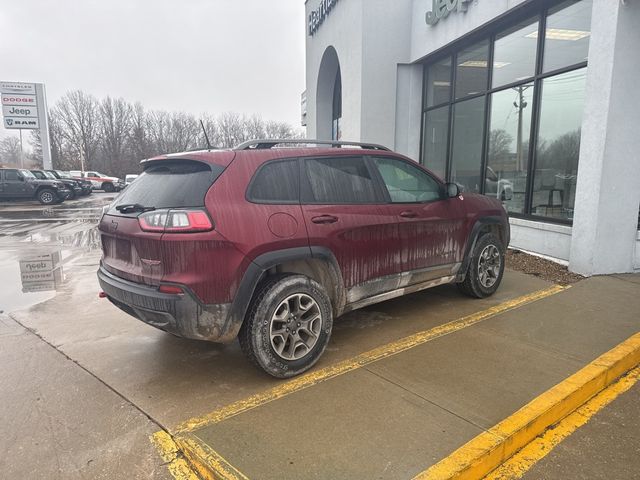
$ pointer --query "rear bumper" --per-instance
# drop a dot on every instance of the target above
(181, 315)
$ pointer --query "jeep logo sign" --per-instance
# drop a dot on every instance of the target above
(13, 111)
(442, 8)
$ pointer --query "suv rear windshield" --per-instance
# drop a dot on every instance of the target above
(170, 184)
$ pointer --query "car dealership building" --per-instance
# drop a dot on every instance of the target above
(534, 102)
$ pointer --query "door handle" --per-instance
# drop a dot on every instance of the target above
(408, 214)
(323, 219)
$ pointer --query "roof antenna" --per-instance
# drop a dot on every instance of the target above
(206, 137)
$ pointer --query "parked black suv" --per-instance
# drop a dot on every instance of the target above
(85, 185)
(22, 184)
(74, 187)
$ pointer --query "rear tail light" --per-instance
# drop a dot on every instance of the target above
(175, 221)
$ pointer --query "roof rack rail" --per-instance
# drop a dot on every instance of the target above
(270, 143)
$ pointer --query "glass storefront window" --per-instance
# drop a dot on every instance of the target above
(567, 34)
(514, 54)
(466, 155)
(532, 176)
(472, 70)
(438, 85)
(336, 131)
(435, 139)
(508, 146)
(558, 145)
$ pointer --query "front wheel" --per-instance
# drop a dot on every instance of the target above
(486, 267)
(288, 325)
(46, 196)
(108, 187)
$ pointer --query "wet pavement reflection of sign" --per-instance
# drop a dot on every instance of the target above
(41, 272)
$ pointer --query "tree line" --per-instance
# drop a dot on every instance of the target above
(112, 135)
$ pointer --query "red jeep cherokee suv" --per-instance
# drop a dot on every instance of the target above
(270, 242)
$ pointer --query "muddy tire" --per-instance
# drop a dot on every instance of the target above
(288, 325)
(108, 187)
(46, 196)
(486, 267)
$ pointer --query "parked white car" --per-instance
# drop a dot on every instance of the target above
(100, 181)
(129, 178)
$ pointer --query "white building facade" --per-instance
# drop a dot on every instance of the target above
(532, 101)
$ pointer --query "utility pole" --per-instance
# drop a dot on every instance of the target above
(521, 104)
(21, 151)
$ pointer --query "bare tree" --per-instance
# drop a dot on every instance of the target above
(35, 157)
(79, 118)
(138, 142)
(184, 132)
(281, 130)
(62, 156)
(231, 127)
(113, 135)
(10, 151)
(562, 153)
(115, 127)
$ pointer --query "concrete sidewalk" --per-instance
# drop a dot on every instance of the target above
(60, 422)
(397, 416)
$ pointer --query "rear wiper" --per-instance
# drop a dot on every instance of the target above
(133, 207)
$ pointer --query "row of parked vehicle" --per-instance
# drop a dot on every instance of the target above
(53, 186)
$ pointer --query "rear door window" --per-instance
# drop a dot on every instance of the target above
(170, 184)
(276, 182)
(339, 180)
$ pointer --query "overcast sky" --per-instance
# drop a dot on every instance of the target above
(213, 56)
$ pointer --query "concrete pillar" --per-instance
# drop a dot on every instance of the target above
(408, 110)
(608, 184)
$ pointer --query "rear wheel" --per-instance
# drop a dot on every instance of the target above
(108, 187)
(288, 325)
(46, 196)
(486, 267)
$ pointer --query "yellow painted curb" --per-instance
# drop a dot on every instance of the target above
(516, 466)
(178, 466)
(490, 449)
(209, 463)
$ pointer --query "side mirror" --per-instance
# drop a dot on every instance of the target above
(453, 190)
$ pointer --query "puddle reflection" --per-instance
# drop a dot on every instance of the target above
(37, 259)
(41, 273)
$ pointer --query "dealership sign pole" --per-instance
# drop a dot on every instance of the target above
(24, 107)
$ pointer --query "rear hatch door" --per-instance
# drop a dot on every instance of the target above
(168, 183)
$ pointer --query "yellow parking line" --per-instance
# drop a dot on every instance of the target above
(495, 446)
(393, 348)
(178, 467)
(539, 448)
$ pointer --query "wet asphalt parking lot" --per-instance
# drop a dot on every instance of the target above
(86, 387)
